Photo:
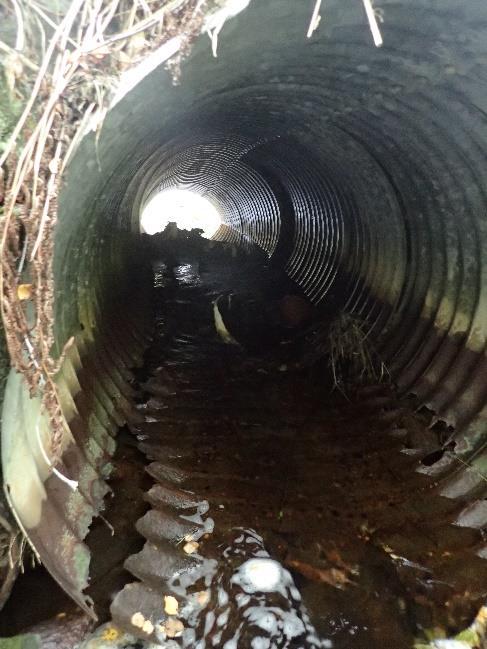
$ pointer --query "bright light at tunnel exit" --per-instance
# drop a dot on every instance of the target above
(188, 209)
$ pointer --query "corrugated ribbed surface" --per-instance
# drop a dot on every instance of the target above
(361, 170)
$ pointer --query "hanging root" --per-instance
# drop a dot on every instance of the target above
(14, 550)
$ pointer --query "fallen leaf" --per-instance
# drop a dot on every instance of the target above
(174, 627)
(171, 605)
(331, 576)
(110, 634)
(24, 291)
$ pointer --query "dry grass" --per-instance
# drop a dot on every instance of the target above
(350, 352)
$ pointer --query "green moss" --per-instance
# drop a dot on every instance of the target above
(82, 565)
(21, 642)
(470, 636)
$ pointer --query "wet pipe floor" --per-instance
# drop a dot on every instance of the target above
(271, 512)
(281, 515)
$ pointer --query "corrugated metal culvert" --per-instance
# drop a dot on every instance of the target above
(360, 170)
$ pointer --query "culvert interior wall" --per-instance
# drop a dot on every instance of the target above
(360, 170)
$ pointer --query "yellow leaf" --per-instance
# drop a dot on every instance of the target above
(110, 634)
(171, 605)
(24, 291)
(174, 627)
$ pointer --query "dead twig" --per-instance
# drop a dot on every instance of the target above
(374, 17)
(20, 39)
(315, 19)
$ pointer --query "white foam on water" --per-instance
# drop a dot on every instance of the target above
(259, 575)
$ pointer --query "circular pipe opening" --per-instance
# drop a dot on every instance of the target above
(357, 171)
(186, 209)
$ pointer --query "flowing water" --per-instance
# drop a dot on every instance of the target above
(259, 470)
(256, 508)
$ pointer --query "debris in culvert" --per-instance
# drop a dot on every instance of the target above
(315, 19)
(172, 628)
(332, 576)
(24, 291)
(352, 354)
(276, 466)
(336, 577)
(109, 636)
(288, 469)
(311, 527)
(171, 605)
(204, 461)
(215, 21)
(345, 342)
(258, 323)
(190, 547)
(474, 637)
(14, 550)
(220, 327)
